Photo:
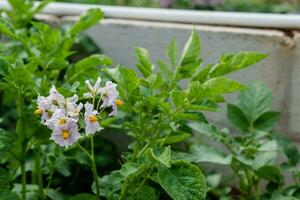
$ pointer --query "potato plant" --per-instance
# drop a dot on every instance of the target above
(55, 110)
(253, 154)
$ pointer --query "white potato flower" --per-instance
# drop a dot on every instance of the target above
(109, 94)
(66, 134)
(91, 121)
(93, 90)
(59, 118)
(43, 108)
(57, 99)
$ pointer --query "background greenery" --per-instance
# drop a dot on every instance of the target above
(272, 6)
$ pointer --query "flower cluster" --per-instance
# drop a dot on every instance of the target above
(61, 114)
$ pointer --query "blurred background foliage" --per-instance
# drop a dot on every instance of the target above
(266, 6)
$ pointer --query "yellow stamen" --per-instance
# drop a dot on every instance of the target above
(93, 118)
(65, 134)
(38, 111)
(119, 102)
(62, 121)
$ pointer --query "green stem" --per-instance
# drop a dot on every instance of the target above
(84, 150)
(50, 177)
(24, 143)
(38, 170)
(94, 169)
(142, 151)
(23, 174)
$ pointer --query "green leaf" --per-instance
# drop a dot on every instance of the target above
(55, 194)
(63, 165)
(18, 76)
(83, 196)
(270, 173)
(195, 90)
(288, 148)
(266, 155)
(237, 118)
(175, 138)
(46, 39)
(202, 74)
(155, 81)
(164, 157)
(231, 63)
(266, 121)
(183, 181)
(172, 53)
(221, 85)
(188, 70)
(6, 140)
(255, 101)
(191, 49)
(165, 70)
(87, 67)
(144, 65)
(213, 180)
(4, 177)
(278, 196)
(87, 20)
(6, 194)
(146, 192)
(195, 116)
(203, 153)
(7, 28)
(202, 105)
(178, 98)
(125, 77)
(206, 129)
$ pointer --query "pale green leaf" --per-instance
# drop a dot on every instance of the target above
(195, 90)
(175, 138)
(144, 65)
(202, 74)
(255, 101)
(125, 77)
(231, 63)
(7, 28)
(221, 85)
(172, 53)
(206, 129)
(155, 80)
(203, 153)
(87, 67)
(178, 97)
(165, 70)
(266, 155)
(87, 20)
(202, 105)
(163, 157)
(191, 49)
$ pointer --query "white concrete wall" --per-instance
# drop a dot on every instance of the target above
(280, 71)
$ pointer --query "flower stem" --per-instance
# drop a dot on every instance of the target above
(38, 171)
(94, 168)
(22, 161)
(23, 175)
